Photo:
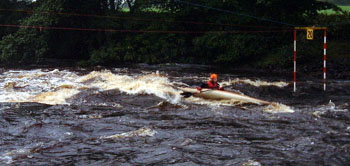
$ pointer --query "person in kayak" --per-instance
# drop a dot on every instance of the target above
(211, 84)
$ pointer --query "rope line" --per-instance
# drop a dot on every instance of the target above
(133, 18)
(236, 13)
(138, 31)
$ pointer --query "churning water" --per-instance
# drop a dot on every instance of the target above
(127, 116)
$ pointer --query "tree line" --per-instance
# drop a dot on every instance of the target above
(339, 2)
(110, 32)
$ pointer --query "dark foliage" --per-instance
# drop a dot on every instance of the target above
(157, 31)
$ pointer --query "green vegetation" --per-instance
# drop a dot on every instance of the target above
(345, 8)
(332, 11)
(338, 2)
(111, 32)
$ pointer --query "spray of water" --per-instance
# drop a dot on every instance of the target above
(55, 87)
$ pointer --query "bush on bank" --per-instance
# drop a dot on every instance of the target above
(175, 33)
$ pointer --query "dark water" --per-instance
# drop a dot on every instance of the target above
(152, 131)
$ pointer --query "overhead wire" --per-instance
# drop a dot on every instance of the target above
(134, 18)
(337, 23)
(137, 31)
(278, 29)
(254, 17)
(236, 13)
(172, 21)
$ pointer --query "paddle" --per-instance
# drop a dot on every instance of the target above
(186, 94)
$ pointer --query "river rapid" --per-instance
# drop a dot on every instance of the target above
(137, 116)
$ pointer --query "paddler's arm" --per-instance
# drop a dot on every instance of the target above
(203, 85)
(220, 87)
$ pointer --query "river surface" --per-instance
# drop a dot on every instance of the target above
(135, 116)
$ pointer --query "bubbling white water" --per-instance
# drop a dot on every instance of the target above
(56, 86)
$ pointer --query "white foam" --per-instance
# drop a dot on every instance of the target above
(278, 108)
(201, 101)
(54, 98)
(143, 132)
(56, 86)
(6, 159)
(329, 107)
(151, 84)
(10, 156)
(256, 83)
(25, 85)
(251, 163)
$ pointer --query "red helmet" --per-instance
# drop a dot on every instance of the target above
(213, 76)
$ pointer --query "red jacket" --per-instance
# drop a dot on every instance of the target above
(210, 85)
(213, 85)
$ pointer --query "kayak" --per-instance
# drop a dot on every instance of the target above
(213, 94)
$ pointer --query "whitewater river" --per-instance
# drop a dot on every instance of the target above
(128, 116)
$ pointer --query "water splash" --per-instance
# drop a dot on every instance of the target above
(55, 87)
(271, 108)
(251, 163)
(143, 132)
(25, 86)
(151, 84)
(54, 98)
(321, 110)
(10, 156)
(278, 108)
(201, 101)
(256, 83)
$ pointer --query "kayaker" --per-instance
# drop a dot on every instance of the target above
(211, 84)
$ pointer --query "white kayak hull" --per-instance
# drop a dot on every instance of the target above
(223, 95)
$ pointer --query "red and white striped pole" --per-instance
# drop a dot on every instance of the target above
(295, 61)
(324, 59)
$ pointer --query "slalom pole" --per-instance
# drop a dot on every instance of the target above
(295, 61)
(324, 59)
